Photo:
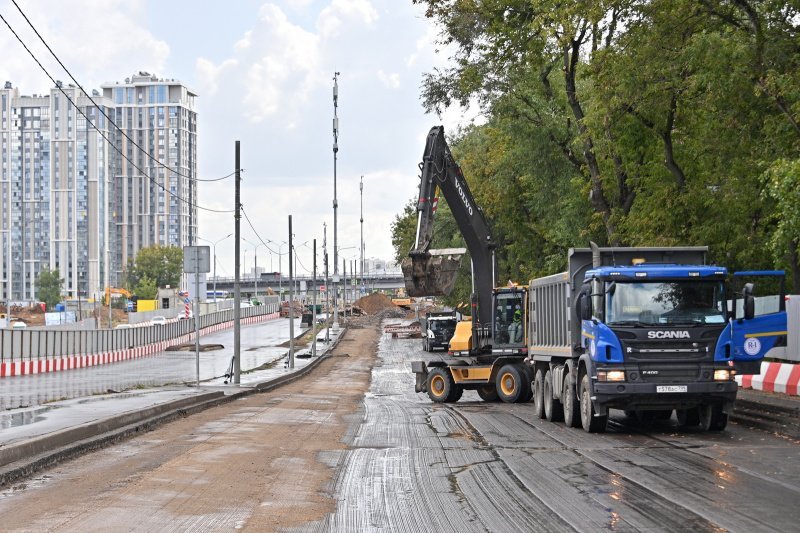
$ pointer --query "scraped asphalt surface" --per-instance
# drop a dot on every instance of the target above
(412, 465)
(351, 447)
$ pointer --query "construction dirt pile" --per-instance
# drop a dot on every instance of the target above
(374, 303)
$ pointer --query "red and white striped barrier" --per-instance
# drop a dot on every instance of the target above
(57, 364)
(774, 377)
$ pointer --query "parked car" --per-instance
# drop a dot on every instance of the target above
(158, 320)
(123, 326)
(19, 325)
(183, 316)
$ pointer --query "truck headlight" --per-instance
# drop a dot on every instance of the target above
(723, 374)
(610, 375)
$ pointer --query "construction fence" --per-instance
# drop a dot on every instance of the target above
(36, 344)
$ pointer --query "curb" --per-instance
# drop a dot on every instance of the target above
(27, 457)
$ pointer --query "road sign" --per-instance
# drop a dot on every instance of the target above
(197, 259)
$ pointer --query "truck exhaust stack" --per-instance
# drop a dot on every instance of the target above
(432, 273)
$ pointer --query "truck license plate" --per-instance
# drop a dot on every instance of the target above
(671, 388)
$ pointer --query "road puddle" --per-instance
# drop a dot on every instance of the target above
(23, 418)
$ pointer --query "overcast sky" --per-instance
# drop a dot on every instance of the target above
(263, 72)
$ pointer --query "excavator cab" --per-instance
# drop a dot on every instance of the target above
(433, 272)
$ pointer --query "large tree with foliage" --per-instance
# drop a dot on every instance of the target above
(663, 121)
(161, 265)
(48, 287)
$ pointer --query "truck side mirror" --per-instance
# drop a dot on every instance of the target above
(584, 306)
(749, 301)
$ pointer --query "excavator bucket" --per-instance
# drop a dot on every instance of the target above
(432, 273)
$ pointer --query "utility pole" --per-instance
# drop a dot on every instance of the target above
(361, 242)
(327, 303)
(237, 293)
(344, 289)
(335, 203)
(327, 284)
(291, 300)
(314, 304)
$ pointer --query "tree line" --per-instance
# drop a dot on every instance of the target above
(630, 123)
(153, 267)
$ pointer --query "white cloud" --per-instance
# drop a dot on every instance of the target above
(390, 80)
(94, 53)
(332, 18)
(208, 74)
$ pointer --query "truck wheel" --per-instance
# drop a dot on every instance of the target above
(510, 383)
(712, 418)
(572, 409)
(688, 417)
(538, 394)
(440, 385)
(553, 410)
(590, 422)
(488, 393)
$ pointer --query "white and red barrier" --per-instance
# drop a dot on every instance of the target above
(57, 364)
(774, 377)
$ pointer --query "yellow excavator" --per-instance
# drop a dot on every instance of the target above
(114, 290)
(487, 350)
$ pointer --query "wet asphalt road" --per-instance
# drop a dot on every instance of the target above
(259, 346)
(472, 466)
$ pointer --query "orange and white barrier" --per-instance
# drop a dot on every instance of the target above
(774, 377)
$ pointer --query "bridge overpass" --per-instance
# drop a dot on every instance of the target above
(390, 281)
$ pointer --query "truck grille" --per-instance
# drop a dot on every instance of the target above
(662, 373)
(640, 350)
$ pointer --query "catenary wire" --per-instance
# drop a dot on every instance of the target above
(100, 108)
(103, 135)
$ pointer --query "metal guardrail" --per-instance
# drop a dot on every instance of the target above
(33, 344)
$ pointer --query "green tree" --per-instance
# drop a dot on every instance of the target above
(403, 229)
(163, 265)
(48, 285)
(623, 121)
(783, 190)
(146, 288)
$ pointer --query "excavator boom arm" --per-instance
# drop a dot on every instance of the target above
(430, 272)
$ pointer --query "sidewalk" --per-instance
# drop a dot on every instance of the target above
(37, 437)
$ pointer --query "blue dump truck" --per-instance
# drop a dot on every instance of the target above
(648, 331)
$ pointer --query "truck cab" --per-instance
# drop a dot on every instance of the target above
(438, 328)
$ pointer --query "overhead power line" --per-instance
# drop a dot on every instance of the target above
(99, 108)
(102, 134)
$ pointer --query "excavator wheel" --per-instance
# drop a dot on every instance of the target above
(441, 386)
(488, 393)
(512, 383)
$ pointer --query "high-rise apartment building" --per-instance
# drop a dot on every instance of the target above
(156, 203)
(79, 195)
